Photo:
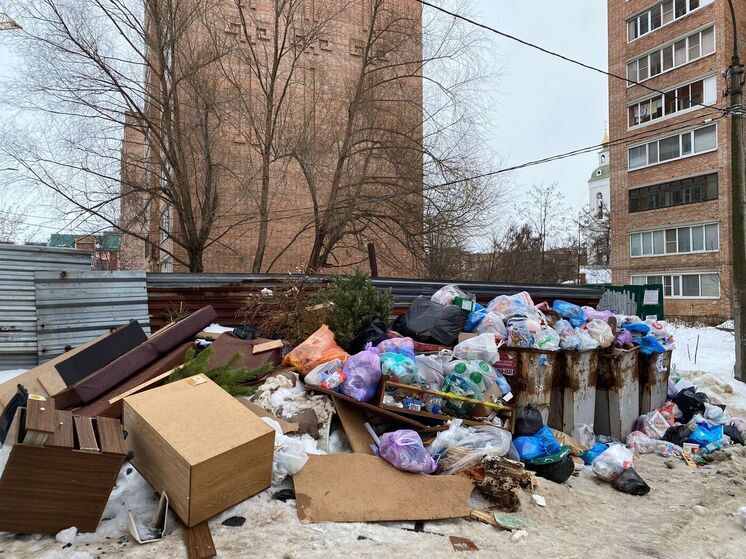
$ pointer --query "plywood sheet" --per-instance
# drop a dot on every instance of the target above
(63, 430)
(360, 488)
(353, 422)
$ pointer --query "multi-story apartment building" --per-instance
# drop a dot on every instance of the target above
(317, 83)
(671, 181)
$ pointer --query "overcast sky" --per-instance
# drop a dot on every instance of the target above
(543, 106)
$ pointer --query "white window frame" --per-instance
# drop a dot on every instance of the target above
(659, 6)
(676, 228)
(659, 51)
(666, 116)
(675, 280)
(680, 135)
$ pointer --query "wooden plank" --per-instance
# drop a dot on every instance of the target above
(353, 422)
(199, 542)
(11, 437)
(110, 435)
(63, 430)
(86, 435)
(39, 420)
(267, 346)
(141, 387)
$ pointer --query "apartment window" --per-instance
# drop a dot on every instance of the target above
(661, 14)
(673, 147)
(701, 285)
(674, 193)
(673, 55)
(675, 240)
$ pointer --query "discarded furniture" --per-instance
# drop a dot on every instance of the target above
(66, 480)
(194, 441)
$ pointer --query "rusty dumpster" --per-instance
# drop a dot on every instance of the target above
(617, 392)
(573, 390)
(531, 380)
(653, 372)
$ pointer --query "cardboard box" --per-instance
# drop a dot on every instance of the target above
(194, 441)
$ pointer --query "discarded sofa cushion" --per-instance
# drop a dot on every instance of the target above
(227, 345)
(116, 372)
(430, 322)
(630, 482)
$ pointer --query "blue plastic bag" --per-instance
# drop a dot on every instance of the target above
(704, 434)
(573, 313)
(637, 328)
(649, 345)
(399, 366)
(540, 444)
(475, 317)
(592, 453)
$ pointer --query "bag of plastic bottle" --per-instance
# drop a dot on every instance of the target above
(548, 339)
(317, 349)
(507, 306)
(405, 451)
(322, 372)
(467, 385)
(492, 323)
(572, 313)
(569, 340)
(363, 372)
(522, 332)
(399, 367)
(446, 294)
(475, 318)
(403, 345)
(612, 462)
(481, 347)
(601, 332)
(461, 447)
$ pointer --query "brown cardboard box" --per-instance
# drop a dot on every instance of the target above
(194, 441)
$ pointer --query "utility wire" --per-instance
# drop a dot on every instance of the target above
(553, 53)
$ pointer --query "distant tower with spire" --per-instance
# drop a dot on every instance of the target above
(599, 185)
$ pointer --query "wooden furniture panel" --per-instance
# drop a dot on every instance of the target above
(63, 430)
(86, 435)
(199, 542)
(110, 435)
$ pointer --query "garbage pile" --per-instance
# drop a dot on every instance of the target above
(443, 402)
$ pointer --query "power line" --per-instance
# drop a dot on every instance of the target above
(555, 54)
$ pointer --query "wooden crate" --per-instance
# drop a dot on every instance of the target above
(45, 489)
(194, 441)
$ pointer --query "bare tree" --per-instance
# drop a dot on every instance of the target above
(596, 227)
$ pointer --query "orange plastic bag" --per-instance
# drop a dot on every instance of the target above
(318, 349)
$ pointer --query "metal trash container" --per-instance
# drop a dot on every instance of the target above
(653, 371)
(573, 390)
(531, 381)
(617, 393)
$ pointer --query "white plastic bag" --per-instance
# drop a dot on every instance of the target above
(586, 340)
(492, 323)
(548, 339)
(431, 368)
(446, 294)
(473, 443)
(585, 436)
(601, 332)
(612, 462)
(481, 347)
(520, 304)
(290, 454)
(321, 373)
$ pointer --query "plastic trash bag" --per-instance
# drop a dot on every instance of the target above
(317, 349)
(630, 482)
(569, 340)
(430, 322)
(593, 314)
(637, 328)
(467, 446)
(398, 366)
(481, 347)
(430, 368)
(290, 453)
(363, 372)
(523, 332)
(650, 345)
(653, 424)
(492, 323)
(527, 421)
(601, 332)
(548, 339)
(595, 451)
(322, 372)
(540, 444)
(507, 306)
(586, 340)
(475, 318)
(678, 434)
(612, 462)
(374, 334)
(583, 433)
(573, 313)
(660, 328)
(624, 339)
(468, 384)
(403, 345)
(704, 434)
(405, 451)
(690, 403)
(446, 294)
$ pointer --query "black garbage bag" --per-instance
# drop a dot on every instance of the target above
(678, 434)
(19, 400)
(374, 333)
(629, 481)
(558, 472)
(690, 403)
(527, 421)
(432, 323)
(735, 435)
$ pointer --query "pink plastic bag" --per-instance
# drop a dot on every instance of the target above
(404, 449)
(363, 372)
(593, 314)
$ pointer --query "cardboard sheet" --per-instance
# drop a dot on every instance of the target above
(353, 422)
(361, 488)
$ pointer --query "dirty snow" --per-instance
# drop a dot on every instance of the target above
(688, 514)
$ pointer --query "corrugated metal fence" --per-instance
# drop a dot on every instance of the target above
(74, 307)
(18, 339)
